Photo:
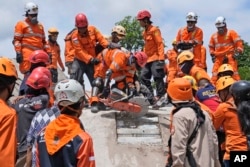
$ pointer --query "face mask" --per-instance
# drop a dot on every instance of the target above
(34, 20)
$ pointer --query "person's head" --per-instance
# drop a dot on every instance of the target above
(203, 82)
(53, 34)
(185, 61)
(38, 82)
(225, 70)
(220, 24)
(81, 23)
(140, 59)
(174, 44)
(118, 33)
(240, 91)
(69, 96)
(8, 77)
(39, 58)
(222, 87)
(191, 19)
(31, 12)
(143, 17)
(179, 91)
(192, 82)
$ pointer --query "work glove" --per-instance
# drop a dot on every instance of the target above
(213, 58)
(94, 61)
(19, 58)
(236, 55)
(105, 93)
(113, 45)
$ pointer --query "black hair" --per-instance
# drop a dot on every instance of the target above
(36, 92)
(67, 111)
(6, 80)
(35, 65)
(244, 116)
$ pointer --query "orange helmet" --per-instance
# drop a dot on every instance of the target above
(39, 56)
(142, 14)
(7, 68)
(225, 68)
(192, 81)
(180, 90)
(81, 20)
(224, 82)
(141, 58)
(184, 56)
(38, 80)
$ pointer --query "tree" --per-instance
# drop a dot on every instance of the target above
(133, 40)
(244, 63)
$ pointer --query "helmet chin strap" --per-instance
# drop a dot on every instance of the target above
(74, 110)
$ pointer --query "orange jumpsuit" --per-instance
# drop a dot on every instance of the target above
(195, 36)
(173, 66)
(69, 51)
(85, 46)
(226, 116)
(8, 141)
(204, 57)
(117, 61)
(27, 38)
(224, 46)
(56, 58)
(199, 73)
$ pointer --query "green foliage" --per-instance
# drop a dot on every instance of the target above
(244, 63)
(133, 40)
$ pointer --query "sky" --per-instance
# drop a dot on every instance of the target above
(168, 15)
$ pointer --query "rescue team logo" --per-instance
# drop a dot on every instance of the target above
(239, 158)
(62, 95)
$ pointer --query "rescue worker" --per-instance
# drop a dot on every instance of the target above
(56, 54)
(185, 62)
(171, 55)
(36, 98)
(240, 91)
(154, 49)
(226, 117)
(225, 46)
(203, 57)
(191, 37)
(69, 51)
(8, 116)
(29, 36)
(193, 139)
(64, 142)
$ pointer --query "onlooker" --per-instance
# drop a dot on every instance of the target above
(29, 36)
(226, 117)
(190, 38)
(8, 116)
(56, 54)
(63, 142)
(154, 49)
(225, 46)
(193, 141)
(36, 98)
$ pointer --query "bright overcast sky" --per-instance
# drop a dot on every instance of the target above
(169, 15)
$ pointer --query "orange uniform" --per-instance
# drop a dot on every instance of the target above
(204, 57)
(85, 46)
(173, 66)
(27, 38)
(56, 58)
(154, 47)
(69, 51)
(226, 116)
(8, 142)
(224, 46)
(195, 36)
(199, 73)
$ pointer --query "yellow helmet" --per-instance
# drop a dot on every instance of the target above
(174, 42)
(224, 82)
(224, 68)
(53, 31)
(192, 81)
(184, 56)
(120, 30)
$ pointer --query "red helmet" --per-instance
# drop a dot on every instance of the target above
(142, 14)
(38, 80)
(81, 20)
(39, 56)
(141, 58)
(43, 70)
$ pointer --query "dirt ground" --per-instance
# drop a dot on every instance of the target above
(109, 153)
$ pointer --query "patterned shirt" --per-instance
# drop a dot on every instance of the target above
(39, 122)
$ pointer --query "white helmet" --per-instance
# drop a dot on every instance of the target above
(220, 21)
(31, 8)
(68, 91)
(191, 16)
(120, 30)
